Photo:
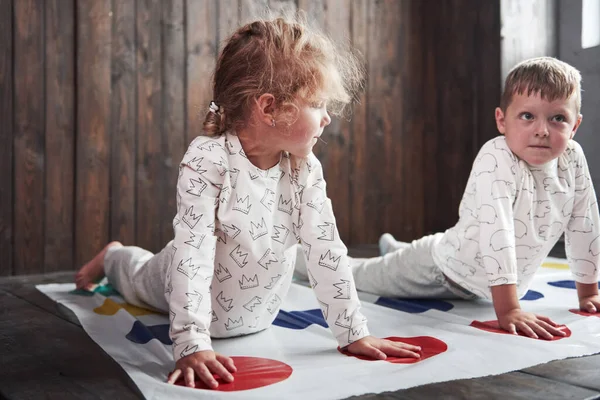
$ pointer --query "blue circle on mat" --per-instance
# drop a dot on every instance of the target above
(300, 319)
(414, 306)
(565, 284)
(142, 334)
(532, 295)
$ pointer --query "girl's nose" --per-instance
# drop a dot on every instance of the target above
(326, 119)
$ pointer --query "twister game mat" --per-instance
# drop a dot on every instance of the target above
(297, 358)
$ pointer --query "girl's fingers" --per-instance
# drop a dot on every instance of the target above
(173, 376)
(206, 376)
(227, 362)
(216, 367)
(189, 377)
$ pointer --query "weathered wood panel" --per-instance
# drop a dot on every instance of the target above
(59, 135)
(29, 160)
(6, 137)
(93, 57)
(149, 201)
(106, 95)
(123, 124)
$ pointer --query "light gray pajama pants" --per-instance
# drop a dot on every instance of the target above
(409, 272)
(139, 275)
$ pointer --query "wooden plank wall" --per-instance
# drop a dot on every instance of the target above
(99, 99)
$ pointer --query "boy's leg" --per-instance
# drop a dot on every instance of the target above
(387, 244)
(407, 272)
(139, 275)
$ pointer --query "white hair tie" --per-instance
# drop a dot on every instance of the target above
(214, 108)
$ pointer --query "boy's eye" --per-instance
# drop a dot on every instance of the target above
(559, 118)
(318, 104)
(527, 116)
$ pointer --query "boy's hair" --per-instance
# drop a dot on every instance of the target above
(285, 58)
(551, 78)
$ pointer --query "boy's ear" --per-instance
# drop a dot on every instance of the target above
(265, 108)
(574, 131)
(500, 120)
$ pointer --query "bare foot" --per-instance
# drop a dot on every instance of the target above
(93, 271)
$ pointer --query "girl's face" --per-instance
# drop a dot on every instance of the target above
(301, 136)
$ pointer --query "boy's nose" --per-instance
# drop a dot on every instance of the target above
(542, 131)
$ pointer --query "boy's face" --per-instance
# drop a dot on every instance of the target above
(538, 130)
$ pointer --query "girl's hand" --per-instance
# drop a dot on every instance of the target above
(379, 349)
(590, 304)
(203, 364)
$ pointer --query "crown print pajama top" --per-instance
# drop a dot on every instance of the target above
(512, 214)
(233, 256)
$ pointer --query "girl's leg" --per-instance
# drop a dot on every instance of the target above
(93, 271)
(139, 275)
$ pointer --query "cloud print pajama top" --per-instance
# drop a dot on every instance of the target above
(512, 214)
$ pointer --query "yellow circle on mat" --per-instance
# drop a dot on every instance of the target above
(555, 265)
(110, 307)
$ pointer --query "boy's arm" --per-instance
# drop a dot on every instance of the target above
(582, 236)
(494, 173)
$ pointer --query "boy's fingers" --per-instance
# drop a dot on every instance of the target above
(551, 329)
(206, 376)
(173, 376)
(546, 319)
(590, 307)
(541, 332)
(512, 329)
(526, 329)
(216, 367)
(189, 377)
(227, 362)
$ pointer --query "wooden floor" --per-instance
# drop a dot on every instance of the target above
(45, 354)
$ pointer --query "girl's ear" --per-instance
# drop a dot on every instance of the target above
(265, 108)
(500, 120)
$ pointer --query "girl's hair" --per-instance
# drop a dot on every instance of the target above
(287, 59)
(551, 78)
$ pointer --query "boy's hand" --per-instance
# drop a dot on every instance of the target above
(590, 304)
(532, 325)
(203, 364)
(379, 349)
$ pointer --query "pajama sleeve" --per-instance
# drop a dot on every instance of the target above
(583, 229)
(190, 273)
(326, 258)
(495, 191)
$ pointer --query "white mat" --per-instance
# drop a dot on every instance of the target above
(319, 371)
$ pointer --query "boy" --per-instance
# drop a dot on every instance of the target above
(526, 188)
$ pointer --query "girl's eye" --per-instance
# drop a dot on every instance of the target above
(318, 104)
(559, 118)
(527, 116)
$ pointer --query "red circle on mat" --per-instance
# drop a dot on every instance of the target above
(585, 313)
(429, 347)
(252, 373)
(494, 327)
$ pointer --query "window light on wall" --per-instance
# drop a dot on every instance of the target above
(590, 26)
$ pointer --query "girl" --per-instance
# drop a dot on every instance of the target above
(248, 192)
